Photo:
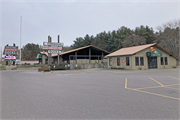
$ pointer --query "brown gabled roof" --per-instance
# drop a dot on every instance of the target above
(135, 49)
(78, 49)
(130, 50)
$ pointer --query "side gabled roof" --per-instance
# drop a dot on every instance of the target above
(135, 49)
(163, 49)
(130, 50)
(78, 49)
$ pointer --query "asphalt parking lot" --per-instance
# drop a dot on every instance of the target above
(90, 94)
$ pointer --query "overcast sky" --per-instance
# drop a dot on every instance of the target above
(72, 19)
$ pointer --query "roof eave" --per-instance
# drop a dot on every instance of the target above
(80, 49)
(167, 51)
(119, 55)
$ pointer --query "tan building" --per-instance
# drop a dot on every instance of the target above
(150, 56)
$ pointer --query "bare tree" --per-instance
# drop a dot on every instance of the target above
(133, 40)
(169, 36)
(171, 24)
(26, 54)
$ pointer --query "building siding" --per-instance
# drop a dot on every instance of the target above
(171, 61)
(122, 65)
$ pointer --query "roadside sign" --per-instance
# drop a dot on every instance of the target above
(53, 44)
(10, 57)
(54, 51)
(11, 47)
(53, 48)
(10, 50)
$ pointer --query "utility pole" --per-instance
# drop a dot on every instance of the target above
(58, 52)
(20, 36)
(1, 54)
(48, 53)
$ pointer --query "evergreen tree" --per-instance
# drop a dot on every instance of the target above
(102, 42)
(87, 40)
(93, 41)
(146, 32)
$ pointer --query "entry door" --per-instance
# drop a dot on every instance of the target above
(152, 62)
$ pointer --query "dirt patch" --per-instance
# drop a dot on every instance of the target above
(45, 68)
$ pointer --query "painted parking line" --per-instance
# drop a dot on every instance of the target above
(156, 86)
(174, 77)
(172, 88)
(154, 94)
(148, 87)
(156, 81)
(137, 89)
(126, 83)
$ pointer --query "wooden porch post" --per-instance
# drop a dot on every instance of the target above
(102, 57)
(76, 56)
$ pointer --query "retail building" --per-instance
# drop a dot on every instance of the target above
(149, 56)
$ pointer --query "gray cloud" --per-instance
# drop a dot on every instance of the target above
(73, 19)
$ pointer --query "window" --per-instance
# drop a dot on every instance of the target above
(127, 61)
(110, 61)
(165, 59)
(118, 61)
(137, 61)
(141, 61)
(162, 62)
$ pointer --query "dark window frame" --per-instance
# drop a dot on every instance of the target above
(127, 61)
(118, 60)
(162, 61)
(137, 63)
(110, 59)
(165, 61)
(142, 61)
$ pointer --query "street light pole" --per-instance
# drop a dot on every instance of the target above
(20, 36)
(58, 51)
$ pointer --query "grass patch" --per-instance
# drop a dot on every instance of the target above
(47, 70)
(27, 66)
(2, 67)
(4, 62)
(14, 68)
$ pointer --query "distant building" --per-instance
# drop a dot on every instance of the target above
(87, 54)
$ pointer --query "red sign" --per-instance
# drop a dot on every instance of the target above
(123, 61)
(10, 49)
(114, 61)
(53, 48)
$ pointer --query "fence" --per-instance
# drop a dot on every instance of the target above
(84, 64)
(83, 61)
